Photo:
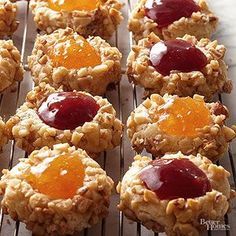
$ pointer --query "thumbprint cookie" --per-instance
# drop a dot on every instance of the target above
(170, 19)
(56, 191)
(8, 22)
(175, 194)
(11, 69)
(87, 17)
(66, 58)
(170, 124)
(3, 134)
(182, 66)
(52, 116)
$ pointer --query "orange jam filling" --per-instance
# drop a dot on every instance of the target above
(73, 54)
(183, 116)
(58, 179)
(72, 5)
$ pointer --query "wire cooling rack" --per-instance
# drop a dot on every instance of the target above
(124, 98)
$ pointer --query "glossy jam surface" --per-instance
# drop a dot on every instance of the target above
(67, 110)
(72, 5)
(175, 178)
(73, 54)
(183, 116)
(60, 178)
(165, 12)
(177, 55)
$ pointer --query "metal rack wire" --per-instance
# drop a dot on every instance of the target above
(125, 98)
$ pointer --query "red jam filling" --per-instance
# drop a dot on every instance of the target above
(67, 110)
(178, 55)
(175, 178)
(165, 12)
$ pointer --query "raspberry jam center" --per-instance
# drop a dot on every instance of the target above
(71, 5)
(60, 178)
(183, 116)
(175, 178)
(177, 55)
(73, 53)
(68, 110)
(165, 12)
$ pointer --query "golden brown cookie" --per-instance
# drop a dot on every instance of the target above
(90, 17)
(52, 116)
(10, 65)
(65, 58)
(8, 22)
(169, 208)
(170, 124)
(206, 76)
(3, 134)
(201, 22)
(77, 196)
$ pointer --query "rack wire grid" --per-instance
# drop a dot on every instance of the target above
(124, 98)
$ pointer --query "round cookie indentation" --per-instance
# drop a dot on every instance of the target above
(177, 54)
(175, 178)
(73, 53)
(183, 116)
(60, 178)
(71, 5)
(67, 110)
(165, 12)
